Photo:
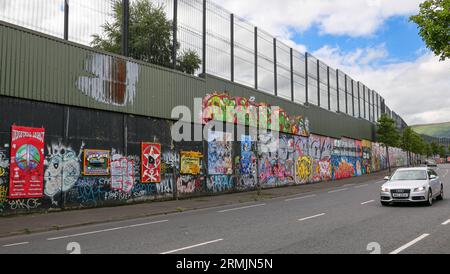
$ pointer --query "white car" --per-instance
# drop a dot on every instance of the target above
(413, 185)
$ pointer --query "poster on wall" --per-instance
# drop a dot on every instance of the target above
(190, 162)
(219, 153)
(96, 162)
(27, 163)
(151, 163)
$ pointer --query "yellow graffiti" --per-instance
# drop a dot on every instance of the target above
(3, 193)
(2, 171)
(303, 168)
(190, 163)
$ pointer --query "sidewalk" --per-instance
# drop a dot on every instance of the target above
(25, 224)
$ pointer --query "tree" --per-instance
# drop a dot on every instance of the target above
(406, 142)
(433, 23)
(434, 148)
(442, 151)
(150, 37)
(429, 150)
(387, 134)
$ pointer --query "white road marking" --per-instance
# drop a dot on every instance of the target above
(361, 186)
(105, 230)
(348, 185)
(300, 198)
(239, 208)
(338, 190)
(16, 244)
(397, 251)
(311, 217)
(192, 246)
(446, 222)
(368, 202)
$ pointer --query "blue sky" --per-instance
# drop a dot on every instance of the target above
(400, 37)
(370, 40)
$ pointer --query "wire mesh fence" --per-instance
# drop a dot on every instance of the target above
(227, 46)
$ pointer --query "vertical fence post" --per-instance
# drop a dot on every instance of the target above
(204, 39)
(232, 46)
(275, 69)
(66, 19)
(292, 74)
(328, 88)
(256, 57)
(338, 92)
(125, 134)
(306, 80)
(346, 97)
(125, 26)
(318, 83)
(175, 34)
(353, 98)
(359, 103)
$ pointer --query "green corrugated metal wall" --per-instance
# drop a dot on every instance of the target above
(43, 68)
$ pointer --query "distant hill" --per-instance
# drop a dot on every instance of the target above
(434, 130)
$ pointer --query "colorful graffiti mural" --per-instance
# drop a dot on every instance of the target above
(246, 164)
(239, 110)
(219, 153)
(122, 173)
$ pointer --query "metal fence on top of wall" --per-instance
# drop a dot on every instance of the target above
(229, 46)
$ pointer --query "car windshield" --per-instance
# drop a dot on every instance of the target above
(409, 175)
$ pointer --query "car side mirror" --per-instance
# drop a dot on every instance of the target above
(387, 178)
(432, 177)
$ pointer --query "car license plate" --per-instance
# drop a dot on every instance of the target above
(400, 195)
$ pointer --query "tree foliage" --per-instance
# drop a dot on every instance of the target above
(434, 27)
(387, 134)
(150, 36)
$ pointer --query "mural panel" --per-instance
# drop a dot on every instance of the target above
(27, 163)
(96, 162)
(151, 163)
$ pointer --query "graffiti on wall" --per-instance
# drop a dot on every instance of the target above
(4, 163)
(3, 193)
(122, 173)
(188, 184)
(320, 150)
(366, 157)
(219, 153)
(245, 164)
(268, 159)
(27, 163)
(285, 168)
(111, 80)
(246, 112)
(62, 169)
(151, 163)
(220, 183)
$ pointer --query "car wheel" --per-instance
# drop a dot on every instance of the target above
(441, 195)
(384, 203)
(429, 202)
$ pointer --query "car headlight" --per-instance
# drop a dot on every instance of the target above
(384, 189)
(420, 189)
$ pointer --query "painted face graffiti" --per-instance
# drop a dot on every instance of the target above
(62, 169)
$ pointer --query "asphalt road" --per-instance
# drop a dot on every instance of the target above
(348, 220)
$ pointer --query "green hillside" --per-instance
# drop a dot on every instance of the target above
(434, 130)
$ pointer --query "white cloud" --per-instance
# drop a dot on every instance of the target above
(339, 17)
(418, 90)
